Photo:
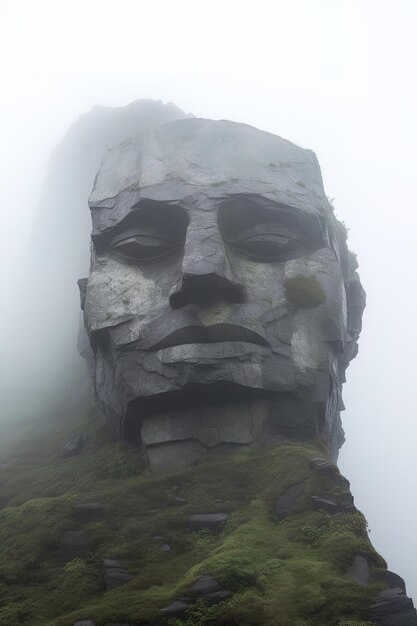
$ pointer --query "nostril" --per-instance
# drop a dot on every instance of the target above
(178, 299)
(206, 289)
(234, 292)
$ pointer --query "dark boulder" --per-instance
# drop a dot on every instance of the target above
(205, 585)
(73, 544)
(74, 445)
(393, 608)
(359, 570)
(88, 511)
(178, 608)
(210, 521)
(288, 501)
(114, 574)
(337, 503)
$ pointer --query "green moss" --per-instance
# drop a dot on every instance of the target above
(304, 291)
(288, 573)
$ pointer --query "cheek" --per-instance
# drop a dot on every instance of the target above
(116, 291)
(316, 328)
(263, 282)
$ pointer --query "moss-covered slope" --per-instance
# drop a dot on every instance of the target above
(281, 570)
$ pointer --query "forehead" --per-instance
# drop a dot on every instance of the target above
(206, 158)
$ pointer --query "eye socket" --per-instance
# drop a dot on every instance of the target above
(145, 243)
(267, 246)
(266, 235)
(268, 243)
(143, 248)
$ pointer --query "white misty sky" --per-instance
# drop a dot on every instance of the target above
(337, 76)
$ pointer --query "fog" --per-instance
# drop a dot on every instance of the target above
(336, 76)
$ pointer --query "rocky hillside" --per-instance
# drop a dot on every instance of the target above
(90, 537)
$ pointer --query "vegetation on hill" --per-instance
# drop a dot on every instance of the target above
(280, 572)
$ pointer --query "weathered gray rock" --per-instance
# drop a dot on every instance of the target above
(394, 580)
(165, 547)
(336, 503)
(218, 279)
(217, 597)
(114, 574)
(205, 585)
(88, 511)
(359, 570)
(178, 608)
(323, 466)
(84, 622)
(73, 544)
(211, 521)
(393, 608)
(74, 445)
(288, 501)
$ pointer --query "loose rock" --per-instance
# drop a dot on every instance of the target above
(165, 547)
(359, 570)
(338, 503)
(211, 521)
(73, 544)
(288, 501)
(205, 585)
(114, 574)
(88, 511)
(74, 445)
(178, 608)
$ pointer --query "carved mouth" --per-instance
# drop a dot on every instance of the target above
(210, 334)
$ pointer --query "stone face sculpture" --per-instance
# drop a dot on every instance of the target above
(222, 305)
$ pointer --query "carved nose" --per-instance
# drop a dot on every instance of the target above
(205, 289)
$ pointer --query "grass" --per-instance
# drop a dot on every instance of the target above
(288, 573)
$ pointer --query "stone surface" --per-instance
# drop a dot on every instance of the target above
(74, 445)
(88, 511)
(394, 580)
(217, 597)
(336, 503)
(114, 574)
(393, 608)
(205, 585)
(73, 544)
(219, 279)
(211, 521)
(84, 622)
(359, 570)
(165, 547)
(178, 608)
(322, 465)
(288, 501)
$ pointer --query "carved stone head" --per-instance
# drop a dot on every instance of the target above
(222, 304)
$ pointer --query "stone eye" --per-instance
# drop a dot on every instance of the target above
(143, 247)
(266, 247)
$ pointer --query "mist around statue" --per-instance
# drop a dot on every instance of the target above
(340, 109)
